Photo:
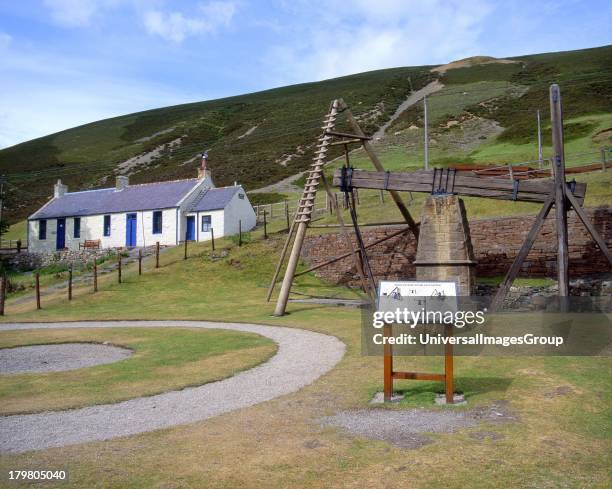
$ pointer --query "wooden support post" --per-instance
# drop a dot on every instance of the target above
(378, 165)
(504, 287)
(140, 261)
(387, 364)
(603, 159)
(287, 215)
(239, 233)
(70, 283)
(119, 267)
(2, 294)
(212, 238)
(157, 255)
(37, 278)
(449, 388)
(95, 275)
(589, 226)
(556, 119)
(294, 257)
(18, 246)
(280, 262)
(265, 226)
(185, 253)
(539, 140)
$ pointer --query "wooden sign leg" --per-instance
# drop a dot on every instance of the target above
(449, 387)
(387, 365)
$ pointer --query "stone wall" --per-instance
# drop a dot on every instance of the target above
(496, 242)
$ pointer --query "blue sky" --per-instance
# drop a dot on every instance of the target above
(68, 62)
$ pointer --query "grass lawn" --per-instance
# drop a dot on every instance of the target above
(560, 436)
(163, 360)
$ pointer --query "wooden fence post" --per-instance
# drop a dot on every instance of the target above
(239, 233)
(2, 294)
(287, 215)
(185, 254)
(382, 197)
(265, 226)
(70, 283)
(95, 275)
(603, 159)
(212, 238)
(140, 261)
(19, 243)
(157, 255)
(119, 267)
(510, 172)
(37, 277)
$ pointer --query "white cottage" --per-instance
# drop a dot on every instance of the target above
(140, 215)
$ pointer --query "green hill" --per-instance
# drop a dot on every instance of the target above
(262, 137)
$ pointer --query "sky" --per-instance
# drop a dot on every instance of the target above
(68, 62)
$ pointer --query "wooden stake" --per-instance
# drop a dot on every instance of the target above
(603, 159)
(70, 283)
(185, 254)
(95, 275)
(212, 238)
(265, 226)
(556, 117)
(239, 233)
(140, 261)
(37, 277)
(157, 255)
(119, 267)
(287, 215)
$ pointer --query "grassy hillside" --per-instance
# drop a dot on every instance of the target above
(263, 137)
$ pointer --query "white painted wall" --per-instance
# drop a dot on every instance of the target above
(92, 227)
(217, 223)
(239, 210)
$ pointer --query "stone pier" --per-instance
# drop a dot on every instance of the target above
(444, 251)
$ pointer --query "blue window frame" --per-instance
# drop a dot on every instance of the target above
(157, 222)
(42, 229)
(107, 225)
(206, 224)
(77, 227)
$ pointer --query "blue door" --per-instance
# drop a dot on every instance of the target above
(190, 232)
(60, 239)
(130, 231)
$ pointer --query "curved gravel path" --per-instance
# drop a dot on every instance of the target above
(302, 357)
(58, 358)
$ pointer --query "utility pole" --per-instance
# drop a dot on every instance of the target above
(539, 139)
(426, 136)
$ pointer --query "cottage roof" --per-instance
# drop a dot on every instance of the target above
(215, 198)
(148, 196)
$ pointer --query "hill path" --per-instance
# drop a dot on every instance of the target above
(302, 357)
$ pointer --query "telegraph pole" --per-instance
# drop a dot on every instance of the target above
(2, 177)
(426, 141)
(539, 139)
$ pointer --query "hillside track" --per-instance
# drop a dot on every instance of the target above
(302, 357)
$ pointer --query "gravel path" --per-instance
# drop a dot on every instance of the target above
(58, 358)
(302, 357)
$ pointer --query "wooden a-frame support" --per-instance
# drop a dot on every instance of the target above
(305, 208)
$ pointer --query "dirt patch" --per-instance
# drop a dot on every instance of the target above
(408, 428)
(603, 136)
(472, 61)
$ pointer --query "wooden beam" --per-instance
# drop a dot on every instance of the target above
(590, 228)
(418, 376)
(280, 262)
(422, 181)
(378, 165)
(504, 287)
(360, 137)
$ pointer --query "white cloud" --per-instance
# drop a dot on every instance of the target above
(75, 13)
(375, 35)
(176, 26)
(5, 40)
